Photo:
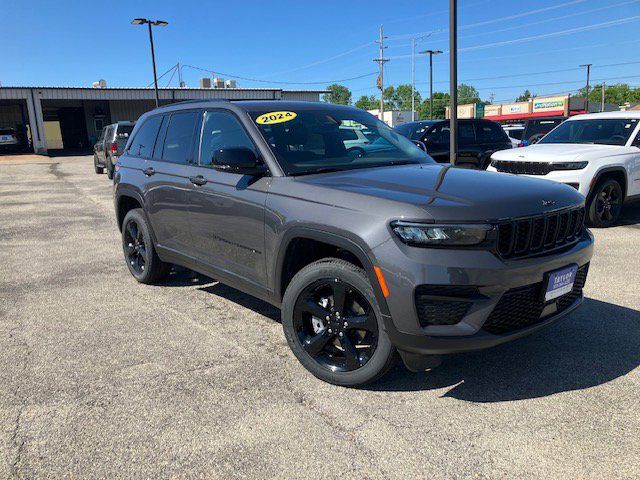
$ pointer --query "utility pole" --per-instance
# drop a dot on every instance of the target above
(381, 61)
(413, 79)
(431, 54)
(586, 98)
(602, 89)
(453, 81)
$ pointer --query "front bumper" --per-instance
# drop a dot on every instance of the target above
(410, 267)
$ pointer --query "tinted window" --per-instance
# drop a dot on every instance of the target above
(605, 131)
(515, 133)
(490, 133)
(537, 128)
(221, 130)
(413, 130)
(179, 138)
(124, 131)
(439, 133)
(144, 140)
(466, 135)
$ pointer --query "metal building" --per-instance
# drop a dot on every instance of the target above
(70, 118)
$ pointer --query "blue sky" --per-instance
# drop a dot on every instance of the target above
(506, 45)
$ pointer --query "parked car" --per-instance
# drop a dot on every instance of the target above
(597, 154)
(109, 146)
(364, 255)
(515, 132)
(9, 141)
(477, 140)
(536, 128)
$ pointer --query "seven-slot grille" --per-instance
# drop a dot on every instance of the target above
(523, 168)
(529, 236)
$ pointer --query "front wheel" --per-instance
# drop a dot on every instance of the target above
(332, 323)
(605, 204)
(139, 252)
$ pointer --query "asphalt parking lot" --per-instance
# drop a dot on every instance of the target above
(103, 377)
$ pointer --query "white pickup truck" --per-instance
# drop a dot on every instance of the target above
(598, 154)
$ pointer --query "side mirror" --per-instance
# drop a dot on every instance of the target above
(420, 145)
(237, 160)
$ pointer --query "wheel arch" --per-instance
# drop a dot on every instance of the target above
(353, 247)
(617, 173)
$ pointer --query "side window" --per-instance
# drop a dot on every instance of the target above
(179, 138)
(489, 132)
(438, 134)
(101, 136)
(636, 141)
(142, 144)
(466, 134)
(221, 130)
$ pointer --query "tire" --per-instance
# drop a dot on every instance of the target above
(329, 351)
(110, 170)
(139, 252)
(605, 203)
(99, 170)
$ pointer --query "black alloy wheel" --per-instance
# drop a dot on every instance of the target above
(606, 204)
(336, 325)
(135, 249)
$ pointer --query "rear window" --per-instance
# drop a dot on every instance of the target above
(515, 133)
(145, 139)
(124, 131)
(538, 128)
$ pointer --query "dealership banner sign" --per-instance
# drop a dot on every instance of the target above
(551, 104)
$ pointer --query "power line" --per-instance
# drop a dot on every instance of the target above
(259, 80)
(496, 20)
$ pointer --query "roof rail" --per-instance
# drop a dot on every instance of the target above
(197, 101)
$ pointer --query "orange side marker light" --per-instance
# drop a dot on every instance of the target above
(381, 281)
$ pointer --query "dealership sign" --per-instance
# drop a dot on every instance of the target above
(550, 104)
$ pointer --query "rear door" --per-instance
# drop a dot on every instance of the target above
(469, 150)
(436, 140)
(167, 146)
(227, 209)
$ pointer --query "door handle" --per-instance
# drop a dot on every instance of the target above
(148, 171)
(199, 180)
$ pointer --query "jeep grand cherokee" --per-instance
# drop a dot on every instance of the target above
(367, 251)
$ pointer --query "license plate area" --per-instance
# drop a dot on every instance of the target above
(559, 282)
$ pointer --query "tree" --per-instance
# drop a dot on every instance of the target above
(619, 93)
(337, 94)
(468, 94)
(367, 103)
(526, 95)
(440, 101)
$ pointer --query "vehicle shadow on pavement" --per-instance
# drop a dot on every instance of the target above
(597, 344)
(630, 214)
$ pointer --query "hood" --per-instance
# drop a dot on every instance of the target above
(451, 194)
(559, 152)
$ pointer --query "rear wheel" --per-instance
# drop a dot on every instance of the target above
(333, 325)
(139, 252)
(97, 168)
(605, 203)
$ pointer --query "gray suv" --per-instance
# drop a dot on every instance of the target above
(112, 140)
(367, 251)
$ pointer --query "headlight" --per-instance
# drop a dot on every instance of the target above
(421, 234)
(569, 165)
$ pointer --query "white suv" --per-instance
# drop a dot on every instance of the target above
(598, 154)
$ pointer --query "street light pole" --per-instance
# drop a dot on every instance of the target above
(150, 23)
(586, 98)
(453, 80)
(413, 79)
(431, 54)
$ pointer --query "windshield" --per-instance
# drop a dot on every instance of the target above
(603, 131)
(313, 140)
